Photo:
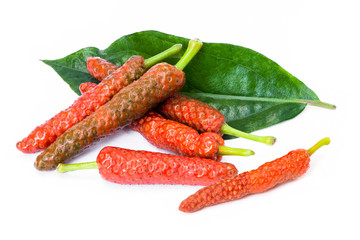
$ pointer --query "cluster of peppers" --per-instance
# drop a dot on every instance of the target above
(143, 94)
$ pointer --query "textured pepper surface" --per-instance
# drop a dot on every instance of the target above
(86, 86)
(142, 167)
(180, 108)
(42, 136)
(193, 113)
(130, 103)
(172, 135)
(283, 169)
(177, 137)
(100, 68)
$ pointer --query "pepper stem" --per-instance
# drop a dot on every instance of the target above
(319, 144)
(161, 56)
(224, 150)
(193, 48)
(62, 167)
(226, 129)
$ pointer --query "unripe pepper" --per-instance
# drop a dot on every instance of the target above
(42, 136)
(130, 103)
(182, 139)
(126, 166)
(192, 112)
(286, 168)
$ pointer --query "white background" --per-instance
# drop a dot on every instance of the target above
(317, 41)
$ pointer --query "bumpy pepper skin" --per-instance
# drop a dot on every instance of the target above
(193, 113)
(172, 135)
(42, 136)
(126, 166)
(100, 68)
(180, 108)
(130, 103)
(86, 86)
(196, 114)
(283, 169)
(177, 137)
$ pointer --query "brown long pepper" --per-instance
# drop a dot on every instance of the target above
(130, 103)
(42, 136)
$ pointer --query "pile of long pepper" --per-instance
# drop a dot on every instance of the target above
(142, 94)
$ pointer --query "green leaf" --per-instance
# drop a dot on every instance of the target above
(72, 68)
(247, 114)
(252, 91)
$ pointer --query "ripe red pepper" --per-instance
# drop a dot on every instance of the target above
(291, 166)
(100, 68)
(182, 139)
(126, 166)
(42, 136)
(203, 117)
(191, 112)
(86, 86)
(130, 103)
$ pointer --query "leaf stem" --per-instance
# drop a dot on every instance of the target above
(161, 56)
(319, 144)
(316, 103)
(192, 49)
(62, 167)
(269, 140)
(224, 150)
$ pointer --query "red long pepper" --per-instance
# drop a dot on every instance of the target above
(182, 139)
(126, 166)
(286, 168)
